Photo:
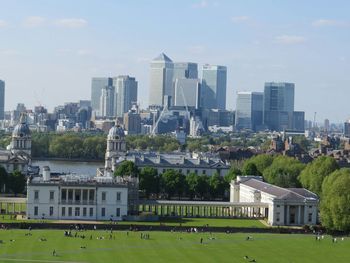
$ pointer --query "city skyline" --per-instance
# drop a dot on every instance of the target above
(66, 45)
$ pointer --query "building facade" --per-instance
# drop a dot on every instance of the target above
(285, 206)
(2, 99)
(213, 87)
(125, 94)
(161, 79)
(249, 110)
(97, 84)
(107, 102)
(187, 92)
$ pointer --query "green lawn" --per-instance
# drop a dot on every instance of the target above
(195, 222)
(168, 247)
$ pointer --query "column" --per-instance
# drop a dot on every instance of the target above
(13, 208)
(287, 215)
(299, 215)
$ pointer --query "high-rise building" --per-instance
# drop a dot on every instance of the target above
(2, 99)
(97, 84)
(326, 125)
(187, 92)
(125, 94)
(249, 110)
(107, 102)
(347, 129)
(161, 79)
(213, 87)
(132, 121)
(185, 70)
(278, 105)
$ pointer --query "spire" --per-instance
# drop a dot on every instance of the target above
(163, 57)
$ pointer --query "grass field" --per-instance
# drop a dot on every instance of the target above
(195, 222)
(168, 247)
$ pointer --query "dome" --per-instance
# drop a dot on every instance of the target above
(21, 129)
(116, 132)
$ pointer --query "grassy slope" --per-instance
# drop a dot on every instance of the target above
(168, 247)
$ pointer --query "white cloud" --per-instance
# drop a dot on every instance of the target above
(329, 22)
(34, 21)
(71, 22)
(290, 39)
(240, 19)
(201, 4)
(3, 24)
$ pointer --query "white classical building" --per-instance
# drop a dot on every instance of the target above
(285, 206)
(79, 197)
(17, 156)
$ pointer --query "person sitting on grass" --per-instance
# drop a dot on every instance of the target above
(54, 253)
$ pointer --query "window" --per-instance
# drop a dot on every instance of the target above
(310, 217)
(119, 194)
(64, 194)
(277, 206)
(103, 196)
(51, 211)
(92, 195)
(164, 170)
(118, 212)
(36, 195)
(77, 211)
(277, 217)
(310, 206)
(196, 171)
(91, 212)
(70, 194)
(180, 170)
(85, 195)
(36, 210)
(52, 195)
(84, 211)
(63, 212)
(69, 211)
(204, 171)
(188, 171)
(103, 211)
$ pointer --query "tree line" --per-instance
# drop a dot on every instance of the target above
(13, 183)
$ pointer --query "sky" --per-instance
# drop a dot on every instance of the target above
(50, 50)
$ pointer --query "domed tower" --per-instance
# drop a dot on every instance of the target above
(21, 138)
(116, 146)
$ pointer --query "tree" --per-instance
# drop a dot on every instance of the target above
(203, 185)
(284, 172)
(335, 201)
(261, 161)
(3, 178)
(127, 168)
(216, 185)
(16, 182)
(169, 182)
(149, 181)
(250, 168)
(315, 172)
(192, 184)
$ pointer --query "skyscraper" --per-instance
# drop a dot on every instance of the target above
(2, 99)
(185, 70)
(187, 92)
(213, 87)
(97, 84)
(278, 105)
(125, 94)
(249, 110)
(107, 102)
(161, 79)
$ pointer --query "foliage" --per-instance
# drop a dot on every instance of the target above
(16, 182)
(261, 162)
(216, 185)
(249, 168)
(3, 177)
(127, 168)
(149, 181)
(232, 174)
(284, 172)
(315, 172)
(335, 202)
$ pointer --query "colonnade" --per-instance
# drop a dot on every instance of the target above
(204, 210)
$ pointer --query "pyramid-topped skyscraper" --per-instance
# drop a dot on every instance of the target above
(161, 79)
